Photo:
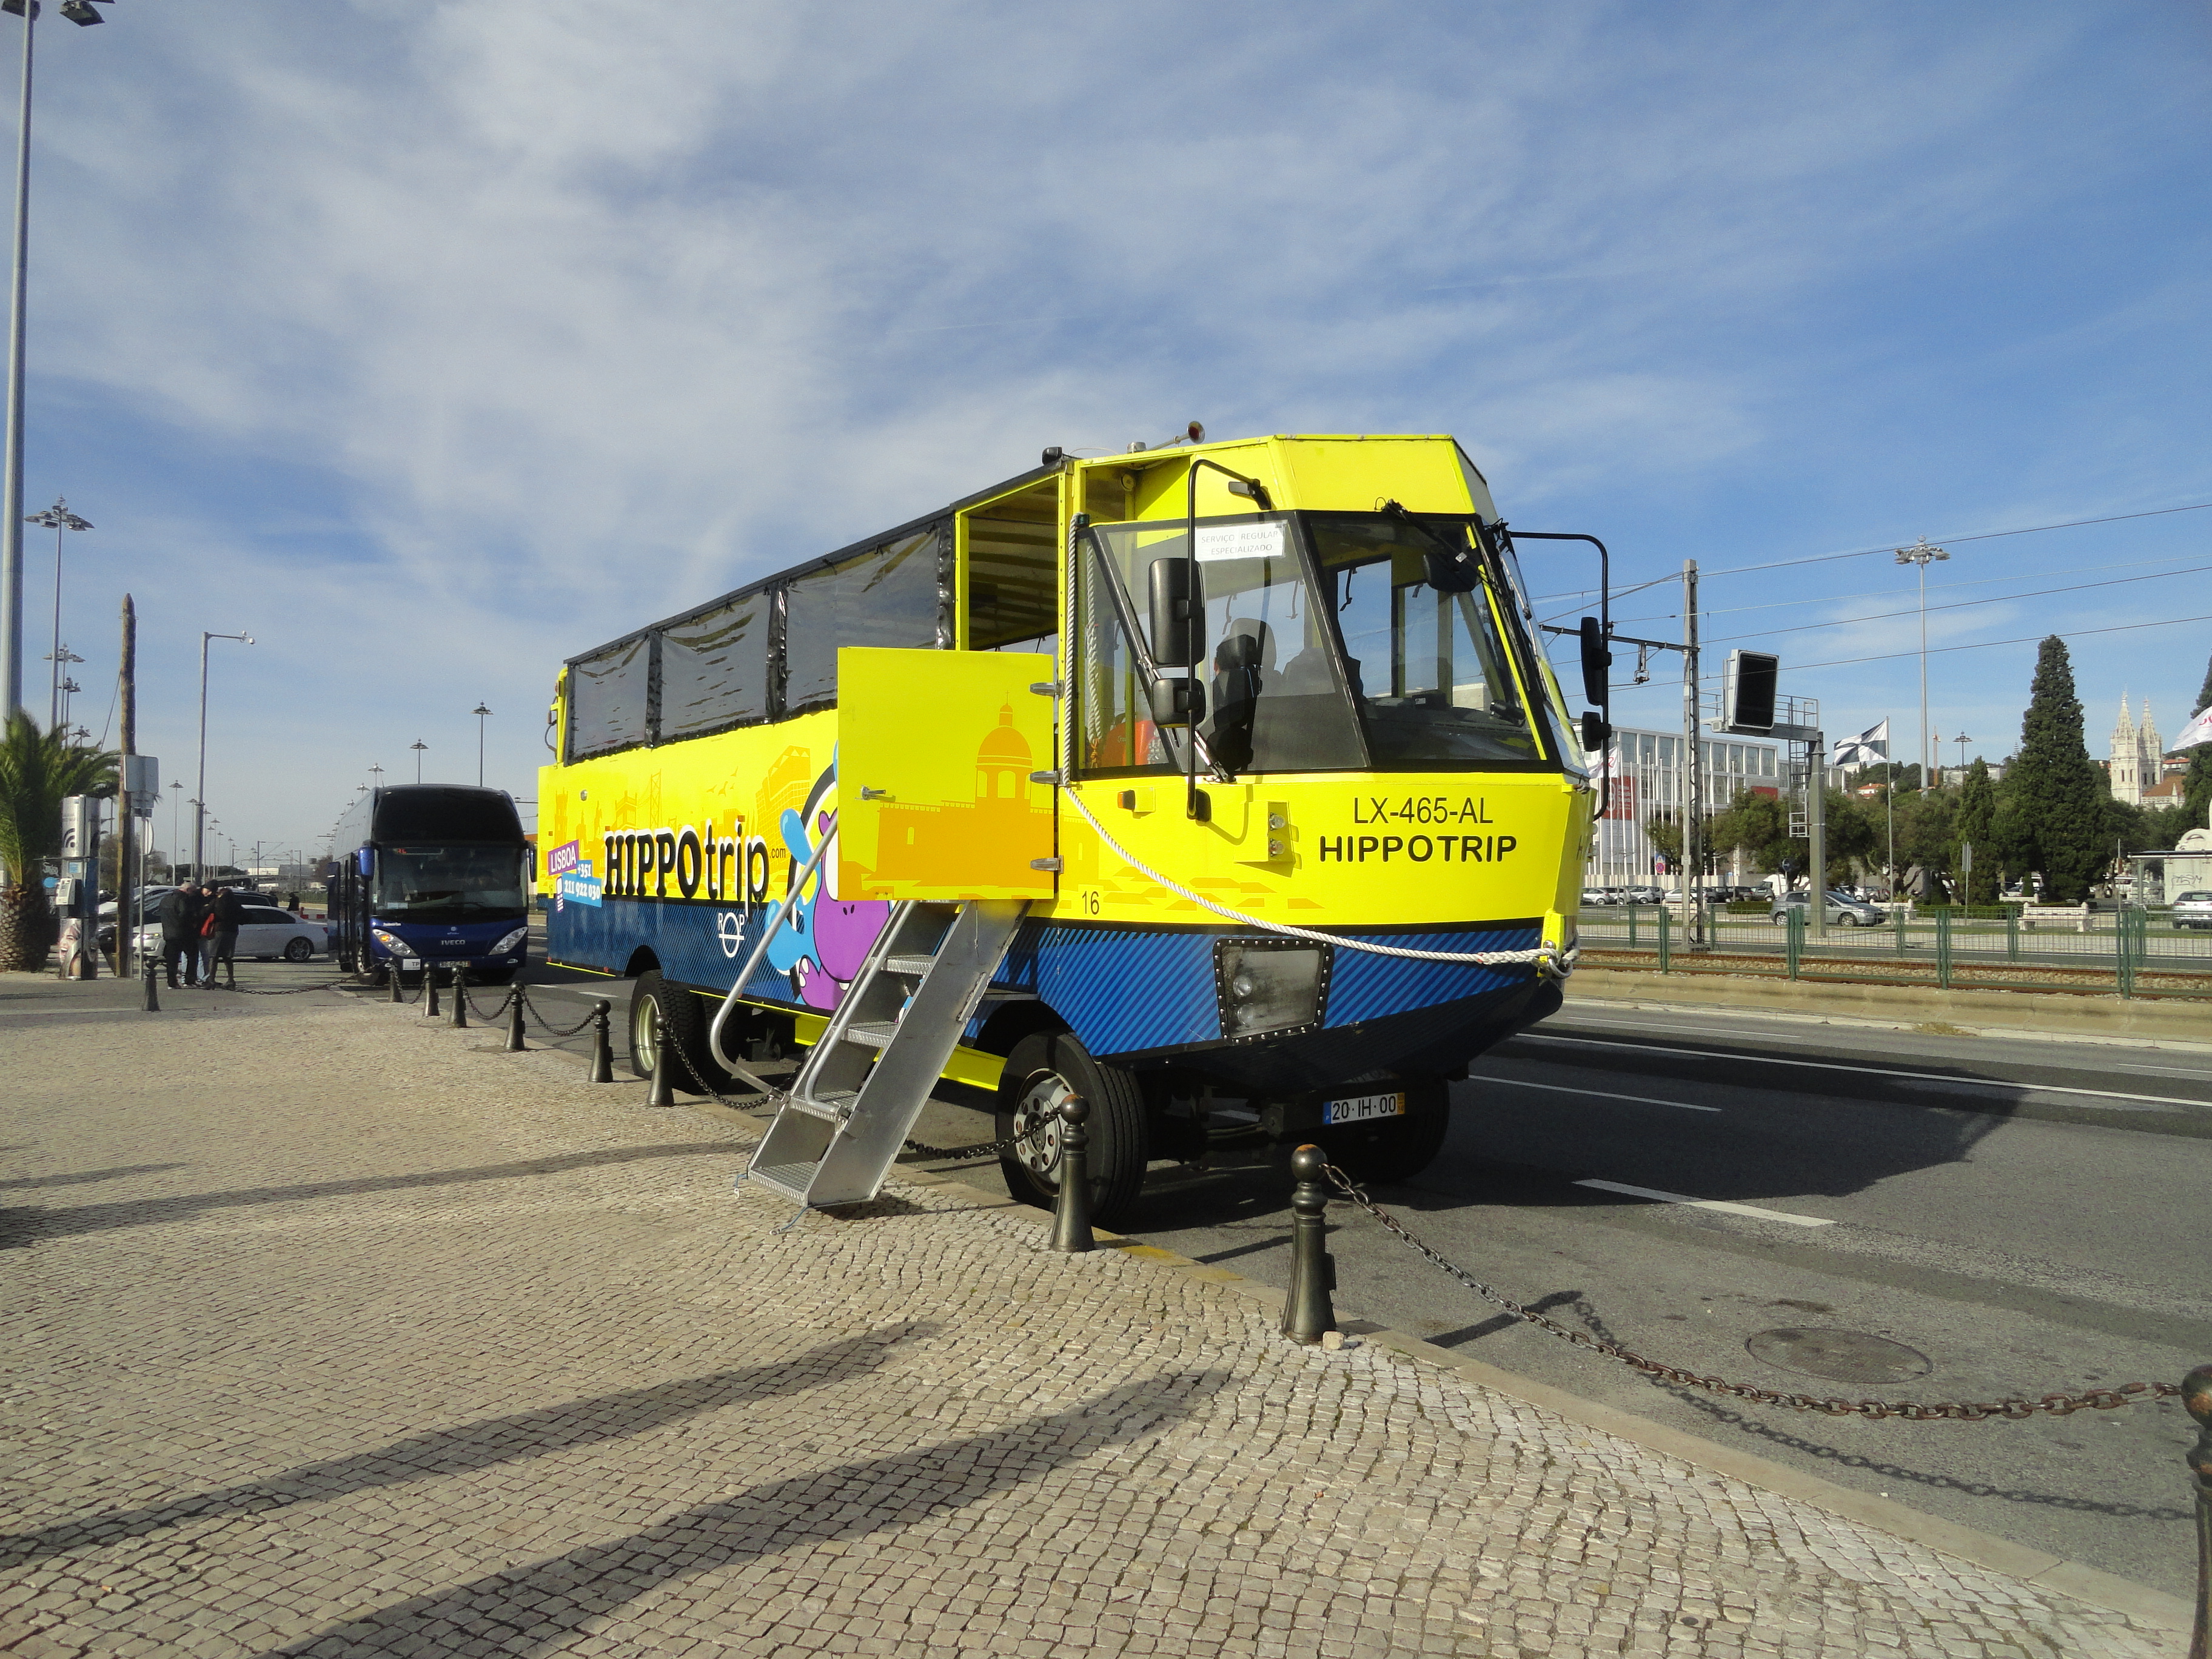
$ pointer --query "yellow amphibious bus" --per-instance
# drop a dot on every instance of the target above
(1222, 784)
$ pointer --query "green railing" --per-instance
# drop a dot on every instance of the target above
(2135, 953)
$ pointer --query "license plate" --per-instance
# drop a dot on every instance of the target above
(1360, 1108)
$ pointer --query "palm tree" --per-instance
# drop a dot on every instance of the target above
(38, 770)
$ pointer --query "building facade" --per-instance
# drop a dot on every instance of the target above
(1647, 784)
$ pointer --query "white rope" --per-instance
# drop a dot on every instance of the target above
(1547, 957)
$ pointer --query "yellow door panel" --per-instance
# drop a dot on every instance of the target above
(934, 753)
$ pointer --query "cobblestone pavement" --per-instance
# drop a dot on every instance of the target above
(333, 1332)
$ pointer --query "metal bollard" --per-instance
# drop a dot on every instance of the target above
(392, 975)
(460, 999)
(661, 1092)
(1306, 1312)
(1071, 1212)
(515, 1043)
(2196, 1395)
(603, 1053)
(152, 1005)
(430, 991)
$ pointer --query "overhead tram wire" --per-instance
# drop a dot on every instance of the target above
(1963, 605)
(1887, 547)
(1985, 644)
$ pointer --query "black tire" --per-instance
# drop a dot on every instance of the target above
(658, 1009)
(297, 950)
(1391, 1148)
(1044, 1068)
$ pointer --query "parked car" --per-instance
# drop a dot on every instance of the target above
(1594, 895)
(264, 932)
(2193, 908)
(1644, 895)
(1841, 909)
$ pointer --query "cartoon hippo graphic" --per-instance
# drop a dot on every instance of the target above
(827, 938)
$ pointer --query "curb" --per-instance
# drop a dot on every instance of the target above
(2046, 1571)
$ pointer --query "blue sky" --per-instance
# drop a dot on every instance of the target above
(434, 341)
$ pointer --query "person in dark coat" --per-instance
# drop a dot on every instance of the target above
(181, 913)
(229, 910)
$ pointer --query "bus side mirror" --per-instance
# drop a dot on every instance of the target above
(1597, 665)
(1178, 616)
(1177, 702)
(1594, 732)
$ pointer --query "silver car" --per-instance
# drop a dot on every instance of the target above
(2193, 908)
(1841, 910)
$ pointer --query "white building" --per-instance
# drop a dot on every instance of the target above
(1647, 769)
(2137, 762)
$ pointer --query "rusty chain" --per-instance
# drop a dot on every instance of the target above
(2057, 1405)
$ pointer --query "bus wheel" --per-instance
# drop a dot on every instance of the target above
(660, 1011)
(1395, 1148)
(1043, 1070)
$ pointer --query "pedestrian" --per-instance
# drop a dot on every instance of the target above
(224, 916)
(181, 914)
(292, 900)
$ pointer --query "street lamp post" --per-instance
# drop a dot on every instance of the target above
(480, 711)
(11, 472)
(199, 808)
(419, 746)
(57, 518)
(1921, 553)
(1962, 740)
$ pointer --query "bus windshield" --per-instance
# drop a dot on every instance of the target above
(418, 883)
(1326, 650)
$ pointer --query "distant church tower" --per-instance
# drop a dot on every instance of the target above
(2135, 755)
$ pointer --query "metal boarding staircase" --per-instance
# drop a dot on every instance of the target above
(888, 1041)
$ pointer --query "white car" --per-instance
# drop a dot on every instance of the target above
(263, 932)
(2193, 908)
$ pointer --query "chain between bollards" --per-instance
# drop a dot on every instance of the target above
(603, 1053)
(153, 1003)
(1071, 1210)
(1306, 1315)
(2197, 1397)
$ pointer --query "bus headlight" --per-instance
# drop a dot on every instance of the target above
(393, 943)
(1265, 987)
(512, 941)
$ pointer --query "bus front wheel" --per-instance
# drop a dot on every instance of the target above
(1044, 1069)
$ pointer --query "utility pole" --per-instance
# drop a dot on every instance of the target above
(1816, 832)
(1922, 554)
(128, 918)
(1693, 794)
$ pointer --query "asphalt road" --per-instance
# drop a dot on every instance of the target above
(2019, 1216)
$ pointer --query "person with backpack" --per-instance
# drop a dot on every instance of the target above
(181, 912)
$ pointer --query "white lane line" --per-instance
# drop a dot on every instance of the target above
(1736, 1033)
(1602, 1094)
(1722, 1204)
(1869, 1071)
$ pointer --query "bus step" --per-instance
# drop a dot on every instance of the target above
(829, 1108)
(790, 1180)
(1009, 994)
(913, 967)
(876, 1036)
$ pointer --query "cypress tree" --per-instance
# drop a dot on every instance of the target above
(2059, 799)
(1976, 827)
(2196, 781)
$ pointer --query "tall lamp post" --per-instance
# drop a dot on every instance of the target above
(199, 808)
(480, 711)
(57, 518)
(1920, 553)
(11, 473)
(1962, 740)
(419, 746)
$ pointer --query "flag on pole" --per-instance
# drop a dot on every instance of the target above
(1869, 748)
(2197, 731)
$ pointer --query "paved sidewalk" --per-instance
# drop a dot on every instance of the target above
(333, 1332)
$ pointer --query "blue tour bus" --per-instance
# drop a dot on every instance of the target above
(431, 873)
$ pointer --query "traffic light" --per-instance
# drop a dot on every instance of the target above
(1748, 692)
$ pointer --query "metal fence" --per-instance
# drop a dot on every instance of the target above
(2128, 952)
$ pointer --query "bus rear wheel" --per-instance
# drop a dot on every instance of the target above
(1044, 1069)
(659, 1012)
(1391, 1148)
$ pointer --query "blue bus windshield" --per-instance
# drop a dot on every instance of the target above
(418, 883)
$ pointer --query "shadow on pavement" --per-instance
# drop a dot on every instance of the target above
(86, 1178)
(22, 1226)
(527, 1609)
(481, 1445)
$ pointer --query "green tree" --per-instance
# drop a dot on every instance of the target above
(1854, 835)
(2196, 781)
(1927, 833)
(1664, 831)
(1760, 824)
(2058, 793)
(38, 771)
(1975, 826)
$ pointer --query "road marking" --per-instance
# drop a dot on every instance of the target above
(1726, 1032)
(1602, 1094)
(1869, 1071)
(1722, 1204)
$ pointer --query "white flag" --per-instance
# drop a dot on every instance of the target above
(2197, 731)
(1869, 748)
